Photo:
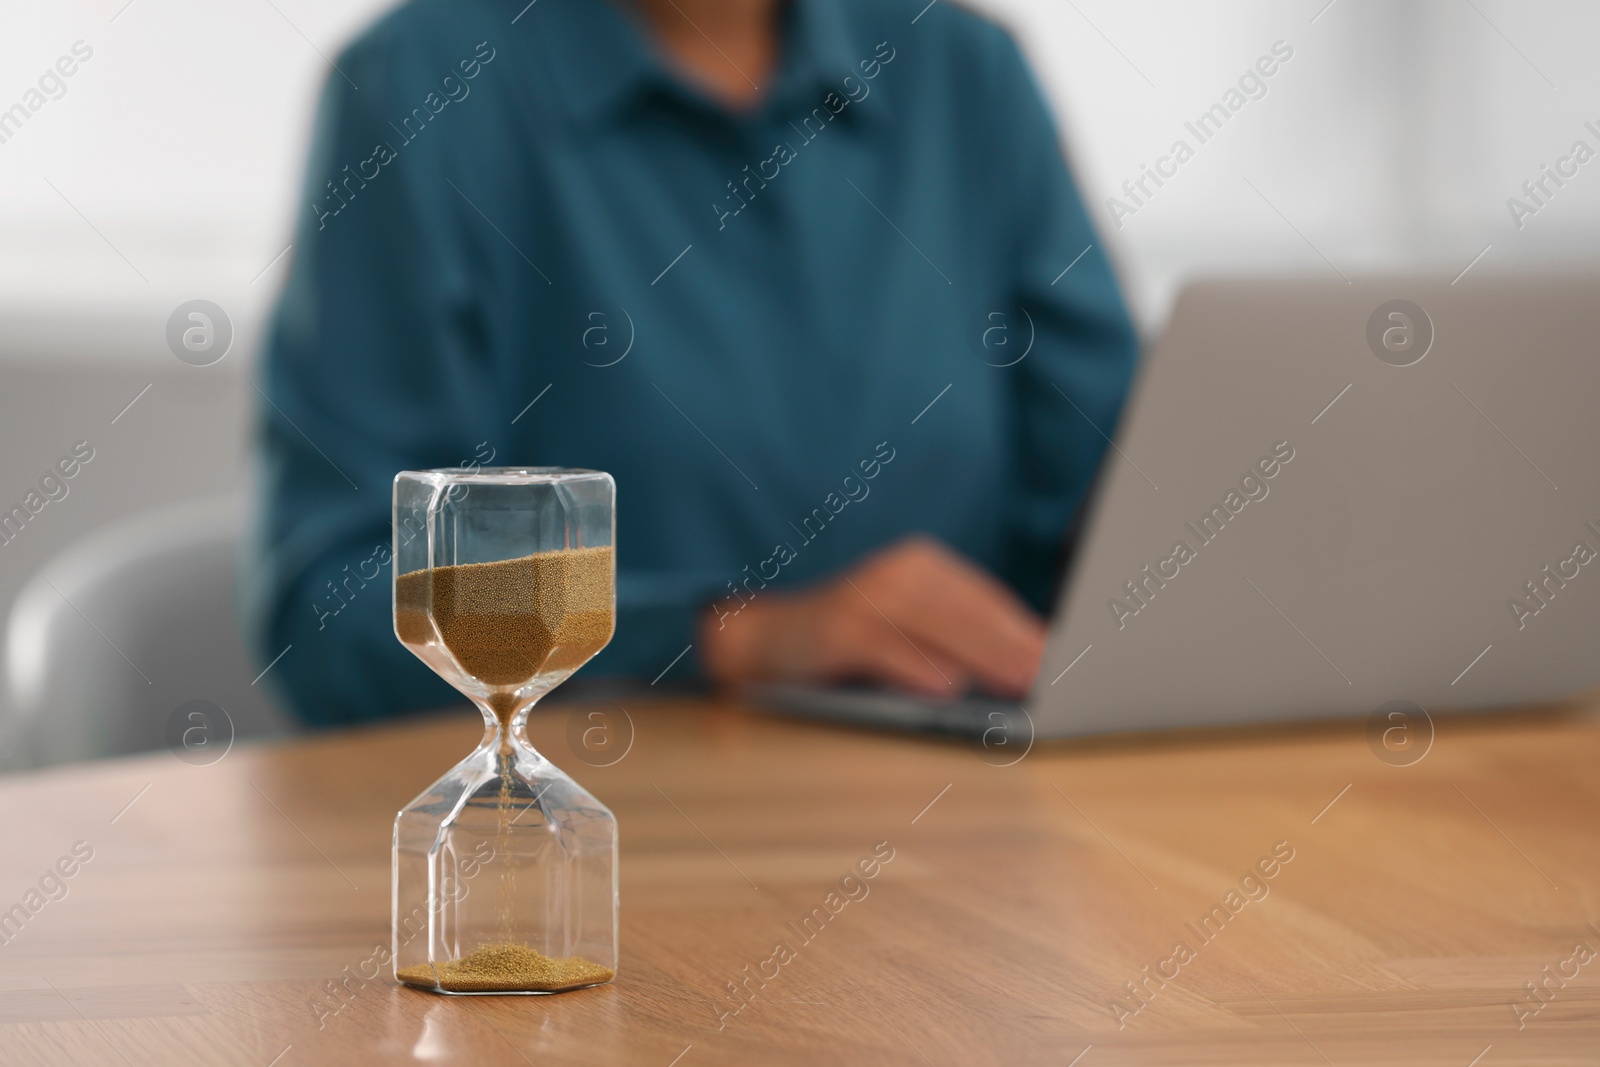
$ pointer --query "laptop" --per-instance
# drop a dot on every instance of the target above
(1324, 497)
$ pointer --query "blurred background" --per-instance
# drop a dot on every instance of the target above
(166, 169)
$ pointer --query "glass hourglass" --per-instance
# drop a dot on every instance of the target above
(505, 869)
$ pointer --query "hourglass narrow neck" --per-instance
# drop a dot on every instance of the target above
(505, 720)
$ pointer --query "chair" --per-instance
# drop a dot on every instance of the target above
(115, 633)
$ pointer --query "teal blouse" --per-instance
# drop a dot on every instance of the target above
(870, 305)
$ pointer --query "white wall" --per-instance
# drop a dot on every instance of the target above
(1391, 140)
(181, 141)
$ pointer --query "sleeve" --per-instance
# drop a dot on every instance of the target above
(1069, 390)
(658, 625)
(373, 363)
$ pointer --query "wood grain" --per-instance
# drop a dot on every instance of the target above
(217, 907)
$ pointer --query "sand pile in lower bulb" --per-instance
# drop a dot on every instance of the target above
(506, 967)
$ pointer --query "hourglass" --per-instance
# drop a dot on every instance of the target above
(505, 869)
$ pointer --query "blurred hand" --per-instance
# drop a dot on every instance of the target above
(915, 615)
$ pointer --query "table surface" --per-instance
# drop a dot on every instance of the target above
(221, 901)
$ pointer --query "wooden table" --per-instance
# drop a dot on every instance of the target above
(221, 900)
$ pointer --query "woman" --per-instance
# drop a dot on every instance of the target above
(810, 278)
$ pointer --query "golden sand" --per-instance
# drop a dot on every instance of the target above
(504, 967)
(506, 623)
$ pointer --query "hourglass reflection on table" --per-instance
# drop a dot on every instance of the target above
(505, 869)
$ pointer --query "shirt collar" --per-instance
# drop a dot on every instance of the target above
(817, 53)
(601, 62)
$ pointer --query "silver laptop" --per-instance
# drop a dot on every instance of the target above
(1325, 497)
